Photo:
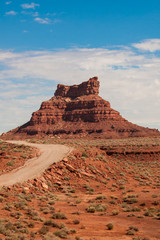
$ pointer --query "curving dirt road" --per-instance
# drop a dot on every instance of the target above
(35, 167)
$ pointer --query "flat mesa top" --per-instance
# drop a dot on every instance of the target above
(90, 87)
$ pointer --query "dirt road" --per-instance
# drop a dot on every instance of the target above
(35, 167)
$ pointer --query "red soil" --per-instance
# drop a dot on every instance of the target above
(124, 188)
(14, 156)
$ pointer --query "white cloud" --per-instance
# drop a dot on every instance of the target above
(31, 13)
(29, 6)
(25, 31)
(42, 20)
(36, 14)
(5, 55)
(130, 81)
(150, 45)
(13, 13)
(7, 3)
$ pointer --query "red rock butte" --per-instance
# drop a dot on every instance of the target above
(79, 111)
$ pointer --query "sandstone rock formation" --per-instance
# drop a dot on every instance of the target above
(78, 111)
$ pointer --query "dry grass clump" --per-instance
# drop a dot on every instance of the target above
(97, 208)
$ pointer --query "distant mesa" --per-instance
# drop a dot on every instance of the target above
(79, 111)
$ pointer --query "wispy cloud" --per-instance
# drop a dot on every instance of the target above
(28, 10)
(130, 80)
(46, 20)
(150, 45)
(42, 20)
(30, 6)
(35, 14)
(7, 3)
(25, 31)
(13, 13)
(31, 13)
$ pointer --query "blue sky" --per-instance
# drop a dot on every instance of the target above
(86, 23)
(43, 43)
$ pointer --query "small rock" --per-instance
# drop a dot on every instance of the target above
(65, 160)
(60, 172)
(44, 185)
(70, 168)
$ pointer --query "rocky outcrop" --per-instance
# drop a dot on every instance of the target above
(79, 111)
(90, 87)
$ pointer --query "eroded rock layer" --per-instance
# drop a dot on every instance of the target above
(78, 111)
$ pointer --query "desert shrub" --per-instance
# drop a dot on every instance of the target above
(31, 224)
(134, 209)
(100, 157)
(58, 215)
(131, 215)
(113, 197)
(78, 201)
(4, 230)
(24, 230)
(76, 221)
(62, 226)
(131, 200)
(155, 203)
(20, 204)
(10, 163)
(99, 208)
(51, 202)
(51, 223)
(110, 226)
(16, 215)
(90, 190)
(24, 156)
(76, 213)
(78, 238)
(28, 197)
(85, 154)
(101, 197)
(51, 237)
(16, 236)
(154, 196)
(32, 213)
(10, 226)
(72, 190)
(115, 212)
(66, 178)
(61, 233)
(46, 210)
(143, 204)
(149, 214)
(8, 207)
(132, 230)
(48, 222)
(91, 209)
(19, 224)
(43, 230)
(139, 238)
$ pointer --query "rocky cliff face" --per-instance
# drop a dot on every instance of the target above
(90, 87)
(78, 111)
